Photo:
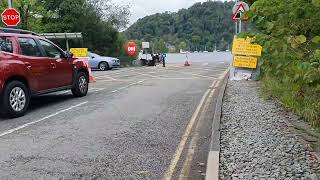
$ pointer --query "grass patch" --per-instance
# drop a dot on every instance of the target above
(306, 106)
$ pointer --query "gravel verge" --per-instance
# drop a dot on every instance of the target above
(256, 142)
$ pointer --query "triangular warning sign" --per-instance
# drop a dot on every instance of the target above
(237, 15)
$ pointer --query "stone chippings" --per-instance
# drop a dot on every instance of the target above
(256, 142)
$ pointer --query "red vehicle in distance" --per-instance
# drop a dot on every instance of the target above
(32, 65)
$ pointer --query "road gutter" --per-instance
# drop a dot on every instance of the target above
(170, 171)
(185, 171)
(212, 172)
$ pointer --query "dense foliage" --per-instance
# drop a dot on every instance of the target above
(202, 27)
(289, 31)
(98, 20)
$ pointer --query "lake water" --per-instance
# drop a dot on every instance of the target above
(199, 57)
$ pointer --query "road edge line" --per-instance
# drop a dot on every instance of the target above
(213, 161)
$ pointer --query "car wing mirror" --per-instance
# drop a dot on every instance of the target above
(69, 54)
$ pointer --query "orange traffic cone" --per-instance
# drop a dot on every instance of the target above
(91, 77)
(187, 63)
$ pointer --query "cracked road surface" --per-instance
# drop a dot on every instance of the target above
(128, 127)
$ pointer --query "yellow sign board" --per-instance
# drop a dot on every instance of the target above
(245, 47)
(79, 52)
(245, 62)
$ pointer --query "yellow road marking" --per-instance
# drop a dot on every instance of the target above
(169, 173)
(193, 144)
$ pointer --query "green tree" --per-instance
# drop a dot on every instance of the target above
(183, 45)
(289, 32)
(160, 46)
(208, 21)
(99, 21)
(196, 41)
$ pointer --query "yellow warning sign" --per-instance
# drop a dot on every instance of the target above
(79, 52)
(245, 47)
(245, 62)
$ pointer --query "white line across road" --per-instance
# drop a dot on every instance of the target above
(64, 110)
(107, 76)
(42, 119)
(143, 74)
(199, 75)
(127, 86)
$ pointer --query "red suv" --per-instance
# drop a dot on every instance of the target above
(31, 65)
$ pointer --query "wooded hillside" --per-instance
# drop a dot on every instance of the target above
(200, 27)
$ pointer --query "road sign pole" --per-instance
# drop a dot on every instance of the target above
(236, 23)
(240, 26)
(9, 3)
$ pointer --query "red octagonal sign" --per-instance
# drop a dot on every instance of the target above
(131, 48)
(10, 17)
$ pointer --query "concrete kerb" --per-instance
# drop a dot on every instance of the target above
(212, 172)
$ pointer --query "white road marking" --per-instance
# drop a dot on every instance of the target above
(212, 172)
(108, 77)
(127, 86)
(118, 80)
(193, 78)
(196, 75)
(146, 75)
(91, 90)
(42, 119)
(169, 173)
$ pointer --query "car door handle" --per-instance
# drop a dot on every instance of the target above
(53, 65)
(28, 65)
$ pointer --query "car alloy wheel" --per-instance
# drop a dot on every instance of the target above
(17, 99)
(103, 66)
(83, 84)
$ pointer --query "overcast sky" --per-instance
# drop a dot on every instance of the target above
(142, 8)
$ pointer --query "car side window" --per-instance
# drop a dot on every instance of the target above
(51, 50)
(6, 45)
(29, 47)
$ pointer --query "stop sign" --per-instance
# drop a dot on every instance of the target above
(10, 17)
(131, 48)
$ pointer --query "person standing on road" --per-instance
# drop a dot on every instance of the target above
(163, 57)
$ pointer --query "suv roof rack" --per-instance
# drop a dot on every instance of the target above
(17, 31)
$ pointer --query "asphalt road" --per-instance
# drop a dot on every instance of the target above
(128, 127)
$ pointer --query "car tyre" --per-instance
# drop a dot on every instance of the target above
(103, 66)
(81, 85)
(15, 99)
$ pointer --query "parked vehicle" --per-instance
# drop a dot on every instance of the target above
(103, 63)
(31, 65)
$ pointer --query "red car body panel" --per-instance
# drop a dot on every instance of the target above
(40, 73)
